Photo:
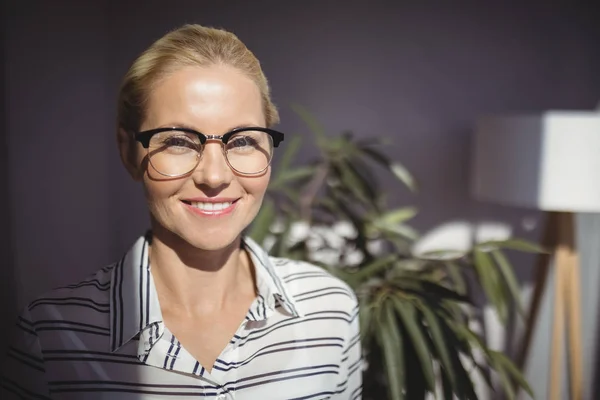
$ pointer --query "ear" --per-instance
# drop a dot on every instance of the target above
(128, 151)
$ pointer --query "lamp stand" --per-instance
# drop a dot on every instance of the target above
(559, 236)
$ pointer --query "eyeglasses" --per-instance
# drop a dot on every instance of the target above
(177, 151)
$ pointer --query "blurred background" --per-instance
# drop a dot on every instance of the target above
(419, 73)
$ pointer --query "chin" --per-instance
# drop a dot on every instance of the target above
(211, 240)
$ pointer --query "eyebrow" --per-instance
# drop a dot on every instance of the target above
(187, 126)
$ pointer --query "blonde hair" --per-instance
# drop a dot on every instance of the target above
(189, 45)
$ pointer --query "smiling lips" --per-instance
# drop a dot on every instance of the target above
(211, 207)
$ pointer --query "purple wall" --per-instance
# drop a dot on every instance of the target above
(7, 290)
(58, 124)
(419, 74)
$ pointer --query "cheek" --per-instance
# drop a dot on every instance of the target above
(257, 186)
(158, 192)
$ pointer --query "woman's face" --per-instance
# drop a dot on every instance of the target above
(213, 101)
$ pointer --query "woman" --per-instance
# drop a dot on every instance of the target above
(194, 308)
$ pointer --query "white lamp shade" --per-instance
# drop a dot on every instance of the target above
(548, 161)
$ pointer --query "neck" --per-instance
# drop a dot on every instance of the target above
(191, 281)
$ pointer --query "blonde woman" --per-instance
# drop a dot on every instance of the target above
(194, 309)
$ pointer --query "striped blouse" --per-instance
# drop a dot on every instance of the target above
(104, 338)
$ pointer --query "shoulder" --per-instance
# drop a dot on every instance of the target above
(314, 288)
(84, 304)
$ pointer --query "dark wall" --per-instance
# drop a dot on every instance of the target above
(58, 125)
(7, 281)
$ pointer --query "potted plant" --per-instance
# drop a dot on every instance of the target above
(415, 311)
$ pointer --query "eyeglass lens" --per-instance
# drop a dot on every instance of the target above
(175, 153)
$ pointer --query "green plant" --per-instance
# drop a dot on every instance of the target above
(414, 311)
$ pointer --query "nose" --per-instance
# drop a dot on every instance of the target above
(213, 170)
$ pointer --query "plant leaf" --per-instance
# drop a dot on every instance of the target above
(339, 147)
(510, 279)
(488, 277)
(457, 277)
(512, 244)
(372, 268)
(399, 231)
(313, 125)
(365, 311)
(438, 341)
(408, 314)
(280, 248)
(367, 172)
(286, 177)
(397, 169)
(511, 368)
(351, 182)
(366, 187)
(485, 374)
(357, 220)
(402, 173)
(509, 392)
(497, 360)
(291, 149)
(442, 255)
(445, 293)
(447, 388)
(391, 343)
(262, 223)
(465, 388)
(396, 216)
(470, 336)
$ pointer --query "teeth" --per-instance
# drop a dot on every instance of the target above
(212, 206)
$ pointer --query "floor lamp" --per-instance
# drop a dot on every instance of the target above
(551, 162)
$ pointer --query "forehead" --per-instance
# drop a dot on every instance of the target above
(211, 99)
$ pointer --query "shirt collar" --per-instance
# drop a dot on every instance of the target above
(270, 284)
(134, 302)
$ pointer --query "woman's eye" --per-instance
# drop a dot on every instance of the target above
(242, 141)
(179, 142)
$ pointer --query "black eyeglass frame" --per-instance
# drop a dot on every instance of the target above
(144, 138)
